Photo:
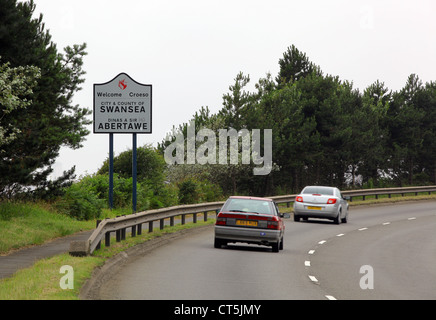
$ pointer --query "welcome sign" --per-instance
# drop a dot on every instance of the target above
(122, 105)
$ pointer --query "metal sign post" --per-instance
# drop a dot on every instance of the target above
(111, 171)
(134, 172)
(122, 105)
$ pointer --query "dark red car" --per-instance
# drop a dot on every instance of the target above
(250, 220)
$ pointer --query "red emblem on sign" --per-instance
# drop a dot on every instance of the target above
(122, 85)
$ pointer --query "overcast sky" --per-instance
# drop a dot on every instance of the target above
(190, 51)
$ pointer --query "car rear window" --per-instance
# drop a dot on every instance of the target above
(319, 190)
(248, 205)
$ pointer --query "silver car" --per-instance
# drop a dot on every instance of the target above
(250, 220)
(321, 202)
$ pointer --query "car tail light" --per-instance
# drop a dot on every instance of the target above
(299, 199)
(331, 201)
(221, 221)
(274, 224)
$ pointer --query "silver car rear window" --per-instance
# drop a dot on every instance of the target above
(319, 190)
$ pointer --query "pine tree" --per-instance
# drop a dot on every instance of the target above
(295, 65)
(50, 121)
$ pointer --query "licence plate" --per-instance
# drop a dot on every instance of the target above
(246, 223)
(314, 208)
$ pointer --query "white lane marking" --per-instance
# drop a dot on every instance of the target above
(307, 263)
(340, 235)
(322, 242)
(312, 278)
(330, 297)
(386, 223)
(412, 218)
(311, 252)
(361, 229)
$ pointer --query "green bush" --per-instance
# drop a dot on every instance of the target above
(188, 191)
(80, 203)
(194, 191)
(209, 192)
(98, 185)
(165, 195)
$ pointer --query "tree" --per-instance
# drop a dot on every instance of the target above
(405, 120)
(428, 154)
(295, 65)
(236, 102)
(15, 85)
(371, 133)
(51, 120)
(282, 111)
(150, 165)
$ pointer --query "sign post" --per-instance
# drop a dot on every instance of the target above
(111, 171)
(122, 105)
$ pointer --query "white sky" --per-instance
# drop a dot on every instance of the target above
(191, 50)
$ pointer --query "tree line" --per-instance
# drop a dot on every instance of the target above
(325, 131)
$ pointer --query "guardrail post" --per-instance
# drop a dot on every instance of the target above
(107, 239)
(172, 221)
(133, 231)
(118, 234)
(139, 229)
(183, 219)
(150, 226)
(123, 234)
(205, 216)
(162, 223)
(194, 217)
(99, 243)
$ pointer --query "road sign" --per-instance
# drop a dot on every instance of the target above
(122, 105)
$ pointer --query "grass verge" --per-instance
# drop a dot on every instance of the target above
(26, 224)
(43, 280)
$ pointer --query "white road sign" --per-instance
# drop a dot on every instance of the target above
(122, 105)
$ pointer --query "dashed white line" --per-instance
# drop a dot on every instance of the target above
(307, 262)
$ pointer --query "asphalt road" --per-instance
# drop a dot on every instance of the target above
(395, 245)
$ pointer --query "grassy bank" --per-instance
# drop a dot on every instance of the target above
(42, 280)
(25, 224)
